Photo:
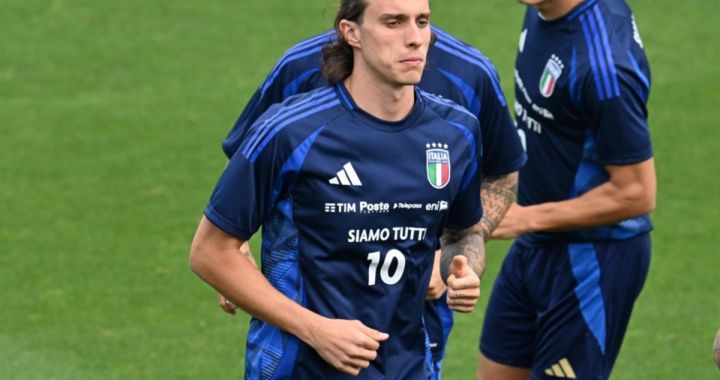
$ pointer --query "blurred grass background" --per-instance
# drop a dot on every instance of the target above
(112, 114)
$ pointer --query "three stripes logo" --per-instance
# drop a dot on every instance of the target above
(562, 370)
(346, 177)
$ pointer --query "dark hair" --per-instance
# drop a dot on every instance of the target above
(337, 57)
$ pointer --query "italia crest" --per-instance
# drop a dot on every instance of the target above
(437, 158)
(551, 74)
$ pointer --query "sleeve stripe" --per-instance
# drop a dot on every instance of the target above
(608, 51)
(600, 54)
(311, 46)
(259, 133)
(317, 107)
(452, 46)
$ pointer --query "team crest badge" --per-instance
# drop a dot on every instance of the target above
(551, 74)
(437, 158)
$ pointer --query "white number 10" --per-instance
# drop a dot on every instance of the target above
(385, 276)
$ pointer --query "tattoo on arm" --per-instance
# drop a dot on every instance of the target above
(468, 243)
(497, 193)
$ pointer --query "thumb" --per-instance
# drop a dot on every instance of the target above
(458, 266)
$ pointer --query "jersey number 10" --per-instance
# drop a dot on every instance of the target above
(393, 255)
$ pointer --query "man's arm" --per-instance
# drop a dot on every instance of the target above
(497, 193)
(225, 304)
(462, 263)
(630, 192)
(215, 257)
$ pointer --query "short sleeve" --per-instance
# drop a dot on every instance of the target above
(248, 190)
(502, 150)
(617, 110)
(466, 209)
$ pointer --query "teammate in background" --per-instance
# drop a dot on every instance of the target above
(565, 293)
(345, 272)
(456, 71)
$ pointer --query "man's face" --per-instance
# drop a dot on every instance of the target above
(393, 39)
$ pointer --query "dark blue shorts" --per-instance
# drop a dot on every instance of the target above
(563, 310)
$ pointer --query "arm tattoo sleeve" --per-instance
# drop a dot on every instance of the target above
(497, 193)
(468, 243)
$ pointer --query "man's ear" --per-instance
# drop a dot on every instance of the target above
(350, 32)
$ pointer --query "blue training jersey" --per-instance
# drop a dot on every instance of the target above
(582, 83)
(351, 209)
(455, 70)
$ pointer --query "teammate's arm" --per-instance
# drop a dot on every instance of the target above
(497, 194)
(462, 263)
(629, 192)
(347, 345)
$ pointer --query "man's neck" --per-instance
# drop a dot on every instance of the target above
(382, 100)
(554, 10)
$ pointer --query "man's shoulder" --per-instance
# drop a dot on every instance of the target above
(301, 58)
(451, 53)
(448, 110)
(295, 118)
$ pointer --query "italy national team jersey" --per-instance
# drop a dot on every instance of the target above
(455, 70)
(351, 209)
(581, 104)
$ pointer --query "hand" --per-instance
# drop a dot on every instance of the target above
(463, 286)
(349, 346)
(227, 305)
(514, 223)
(437, 287)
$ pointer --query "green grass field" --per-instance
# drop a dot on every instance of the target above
(112, 114)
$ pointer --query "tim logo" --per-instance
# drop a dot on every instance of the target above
(551, 74)
(437, 159)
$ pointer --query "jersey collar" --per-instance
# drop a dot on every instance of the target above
(374, 122)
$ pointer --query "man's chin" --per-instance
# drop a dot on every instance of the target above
(410, 78)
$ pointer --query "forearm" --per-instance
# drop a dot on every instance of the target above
(233, 274)
(469, 243)
(604, 205)
(497, 193)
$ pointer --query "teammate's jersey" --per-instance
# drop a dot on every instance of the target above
(582, 84)
(455, 70)
(351, 208)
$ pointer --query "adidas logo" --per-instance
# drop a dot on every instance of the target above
(561, 369)
(346, 177)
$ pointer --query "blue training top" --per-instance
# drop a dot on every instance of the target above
(455, 70)
(582, 83)
(351, 209)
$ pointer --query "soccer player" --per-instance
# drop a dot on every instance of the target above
(456, 71)
(562, 301)
(353, 184)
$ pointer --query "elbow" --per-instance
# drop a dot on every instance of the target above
(649, 204)
(198, 260)
(642, 201)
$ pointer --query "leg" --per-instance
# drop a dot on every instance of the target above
(490, 370)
